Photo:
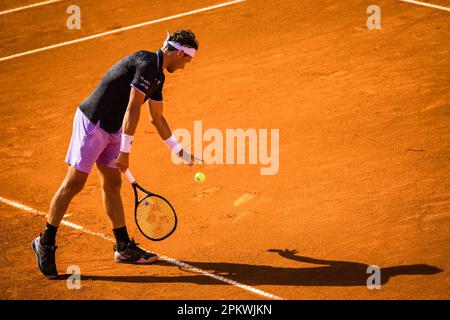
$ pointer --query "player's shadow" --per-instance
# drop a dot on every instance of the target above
(330, 273)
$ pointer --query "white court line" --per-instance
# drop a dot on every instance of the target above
(29, 6)
(98, 35)
(43, 214)
(168, 259)
(435, 6)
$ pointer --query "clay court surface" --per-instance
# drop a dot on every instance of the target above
(364, 150)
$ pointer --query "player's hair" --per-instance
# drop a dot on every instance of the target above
(185, 38)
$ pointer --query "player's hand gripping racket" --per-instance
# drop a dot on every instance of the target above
(154, 215)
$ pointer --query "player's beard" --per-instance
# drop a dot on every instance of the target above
(171, 69)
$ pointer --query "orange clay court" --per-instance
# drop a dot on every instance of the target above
(364, 150)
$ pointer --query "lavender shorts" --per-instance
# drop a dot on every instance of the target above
(91, 144)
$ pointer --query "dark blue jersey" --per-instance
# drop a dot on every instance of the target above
(108, 103)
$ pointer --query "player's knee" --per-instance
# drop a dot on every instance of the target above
(72, 186)
(112, 186)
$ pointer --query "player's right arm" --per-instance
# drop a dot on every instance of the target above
(158, 120)
(129, 124)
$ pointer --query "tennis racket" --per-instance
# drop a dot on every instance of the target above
(154, 215)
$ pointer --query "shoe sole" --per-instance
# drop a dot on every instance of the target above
(50, 276)
(133, 262)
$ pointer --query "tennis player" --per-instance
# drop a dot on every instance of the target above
(103, 130)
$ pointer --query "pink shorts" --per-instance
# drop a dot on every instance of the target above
(91, 144)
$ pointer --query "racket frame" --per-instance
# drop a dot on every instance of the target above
(138, 201)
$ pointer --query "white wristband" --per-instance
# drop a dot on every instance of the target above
(125, 143)
(172, 144)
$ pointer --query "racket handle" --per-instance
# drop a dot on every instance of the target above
(130, 176)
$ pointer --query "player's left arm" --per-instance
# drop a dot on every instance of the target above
(161, 125)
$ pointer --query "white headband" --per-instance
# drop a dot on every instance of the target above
(189, 51)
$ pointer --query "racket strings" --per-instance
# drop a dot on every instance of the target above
(155, 217)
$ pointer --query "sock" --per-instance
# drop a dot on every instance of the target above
(49, 235)
(122, 238)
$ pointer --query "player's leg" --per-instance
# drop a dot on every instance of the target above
(85, 146)
(111, 182)
(126, 250)
(44, 246)
(70, 187)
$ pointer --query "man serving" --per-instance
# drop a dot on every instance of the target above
(103, 130)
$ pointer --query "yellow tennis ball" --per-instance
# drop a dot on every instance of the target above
(199, 177)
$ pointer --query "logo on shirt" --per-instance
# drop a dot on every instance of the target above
(145, 81)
